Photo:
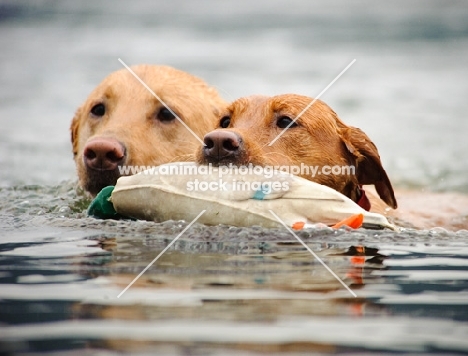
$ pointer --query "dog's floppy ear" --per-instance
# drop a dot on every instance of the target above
(369, 169)
(74, 127)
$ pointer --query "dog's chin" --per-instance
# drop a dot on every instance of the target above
(96, 180)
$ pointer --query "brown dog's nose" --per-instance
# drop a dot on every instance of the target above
(103, 154)
(222, 144)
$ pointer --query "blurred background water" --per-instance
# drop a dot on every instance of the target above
(226, 290)
(407, 89)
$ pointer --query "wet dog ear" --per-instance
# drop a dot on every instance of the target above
(74, 127)
(369, 169)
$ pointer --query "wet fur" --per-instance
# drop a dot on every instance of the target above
(320, 139)
(131, 118)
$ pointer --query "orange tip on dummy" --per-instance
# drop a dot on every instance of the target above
(354, 221)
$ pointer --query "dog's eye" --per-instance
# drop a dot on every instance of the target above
(165, 115)
(225, 121)
(284, 121)
(98, 110)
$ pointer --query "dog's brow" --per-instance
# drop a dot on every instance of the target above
(283, 109)
(312, 102)
(161, 101)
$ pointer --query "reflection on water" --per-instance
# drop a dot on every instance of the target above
(220, 289)
(226, 289)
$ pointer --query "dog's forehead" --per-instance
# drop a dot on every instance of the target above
(249, 102)
(259, 104)
(247, 111)
(123, 89)
(252, 106)
(312, 111)
(289, 102)
(118, 84)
